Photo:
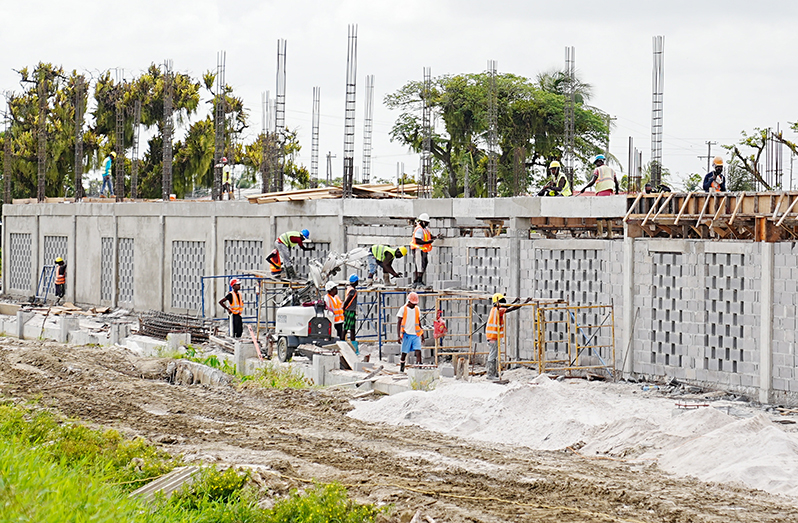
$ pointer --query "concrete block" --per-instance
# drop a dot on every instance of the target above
(67, 325)
(422, 379)
(22, 319)
(446, 371)
(118, 332)
(321, 366)
(243, 351)
(83, 338)
(175, 340)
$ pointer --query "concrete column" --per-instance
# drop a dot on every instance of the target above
(243, 351)
(36, 257)
(518, 230)
(67, 325)
(766, 324)
(6, 244)
(115, 274)
(71, 293)
(22, 319)
(212, 269)
(627, 354)
(161, 266)
(322, 365)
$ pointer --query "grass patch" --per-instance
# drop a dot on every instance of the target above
(271, 376)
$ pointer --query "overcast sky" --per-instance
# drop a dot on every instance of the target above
(730, 65)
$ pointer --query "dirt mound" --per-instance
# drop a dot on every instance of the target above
(290, 436)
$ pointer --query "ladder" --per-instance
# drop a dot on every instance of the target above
(45, 283)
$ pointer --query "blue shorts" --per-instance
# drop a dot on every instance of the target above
(410, 342)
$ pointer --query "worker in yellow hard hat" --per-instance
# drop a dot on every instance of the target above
(714, 181)
(558, 182)
(60, 278)
(107, 165)
(494, 330)
(384, 256)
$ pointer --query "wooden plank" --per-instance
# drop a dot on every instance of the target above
(632, 208)
(778, 206)
(787, 212)
(740, 199)
(720, 208)
(665, 204)
(654, 206)
(684, 206)
(347, 353)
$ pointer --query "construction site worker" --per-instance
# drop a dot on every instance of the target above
(558, 184)
(350, 310)
(285, 242)
(236, 307)
(494, 330)
(275, 265)
(334, 304)
(422, 246)
(714, 181)
(408, 329)
(107, 182)
(60, 278)
(384, 256)
(604, 177)
(227, 179)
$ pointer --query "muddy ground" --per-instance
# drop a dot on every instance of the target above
(299, 435)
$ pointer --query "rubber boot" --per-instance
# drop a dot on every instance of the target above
(416, 280)
(492, 373)
(386, 280)
(290, 273)
(402, 364)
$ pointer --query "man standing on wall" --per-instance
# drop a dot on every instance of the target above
(107, 165)
(714, 181)
(421, 244)
(236, 307)
(408, 329)
(285, 242)
(604, 177)
(60, 279)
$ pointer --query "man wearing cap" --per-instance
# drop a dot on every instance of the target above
(604, 177)
(285, 242)
(421, 245)
(235, 308)
(107, 164)
(384, 256)
(408, 329)
(60, 278)
(334, 304)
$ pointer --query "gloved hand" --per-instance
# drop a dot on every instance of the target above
(440, 236)
(399, 275)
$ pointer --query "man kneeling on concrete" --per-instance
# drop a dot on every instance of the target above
(235, 308)
(285, 243)
(408, 328)
(495, 331)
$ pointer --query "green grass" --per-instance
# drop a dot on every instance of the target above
(271, 376)
(57, 470)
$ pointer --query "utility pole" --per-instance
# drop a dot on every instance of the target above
(709, 154)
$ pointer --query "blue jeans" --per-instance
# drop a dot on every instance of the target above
(372, 262)
(107, 181)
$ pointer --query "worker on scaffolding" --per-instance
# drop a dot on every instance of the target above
(227, 178)
(558, 183)
(107, 165)
(236, 307)
(714, 181)
(384, 256)
(334, 304)
(604, 177)
(350, 310)
(421, 244)
(494, 331)
(408, 329)
(285, 242)
(275, 265)
(60, 279)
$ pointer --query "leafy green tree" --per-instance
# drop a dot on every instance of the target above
(529, 120)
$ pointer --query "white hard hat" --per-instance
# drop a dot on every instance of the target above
(330, 285)
(423, 217)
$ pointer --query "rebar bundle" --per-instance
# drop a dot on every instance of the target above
(158, 324)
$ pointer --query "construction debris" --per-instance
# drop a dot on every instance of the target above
(325, 193)
(158, 324)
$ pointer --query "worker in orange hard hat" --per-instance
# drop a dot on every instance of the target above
(236, 307)
(715, 181)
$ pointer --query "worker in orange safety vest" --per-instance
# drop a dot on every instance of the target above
(494, 330)
(421, 245)
(336, 306)
(60, 278)
(409, 330)
(236, 307)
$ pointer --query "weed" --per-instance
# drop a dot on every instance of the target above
(322, 504)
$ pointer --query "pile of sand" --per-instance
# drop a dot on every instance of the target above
(608, 419)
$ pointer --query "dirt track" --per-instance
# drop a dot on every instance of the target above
(306, 434)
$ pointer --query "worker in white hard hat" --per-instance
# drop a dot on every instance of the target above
(421, 245)
(714, 181)
(236, 307)
(334, 304)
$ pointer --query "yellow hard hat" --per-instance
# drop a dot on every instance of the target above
(718, 160)
(113, 154)
(403, 250)
(59, 260)
(497, 297)
(554, 164)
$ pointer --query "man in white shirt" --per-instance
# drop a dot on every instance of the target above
(408, 329)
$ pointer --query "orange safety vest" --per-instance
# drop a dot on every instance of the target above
(495, 326)
(334, 304)
(606, 178)
(426, 236)
(276, 258)
(419, 330)
(60, 275)
(236, 306)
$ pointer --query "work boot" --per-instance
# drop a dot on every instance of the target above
(402, 366)
(290, 273)
(386, 279)
(492, 373)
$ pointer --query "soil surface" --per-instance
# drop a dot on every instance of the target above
(294, 436)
